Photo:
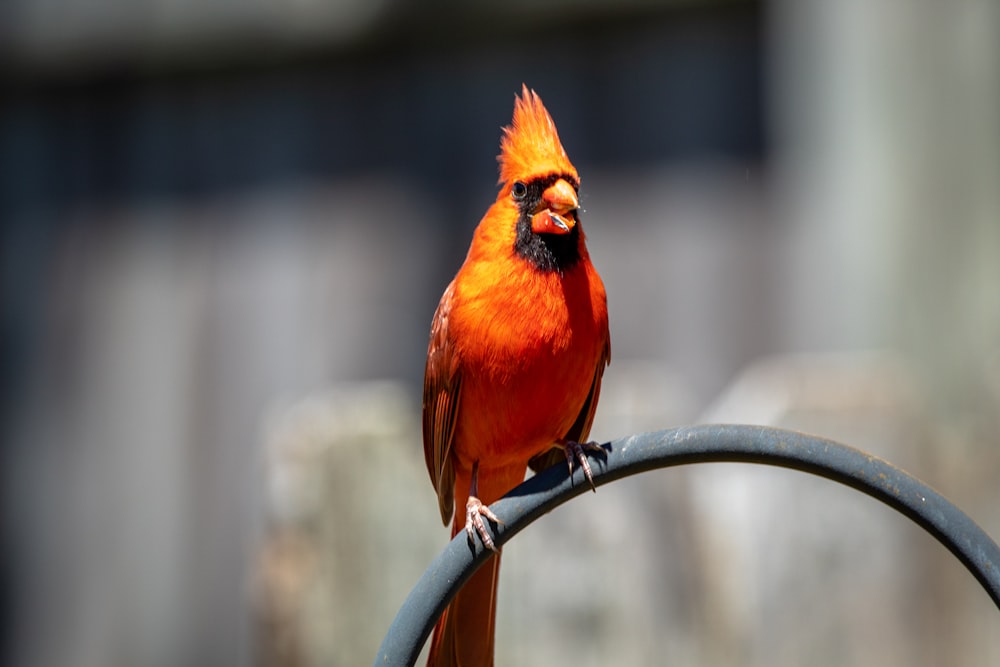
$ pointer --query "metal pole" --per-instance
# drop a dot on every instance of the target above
(698, 444)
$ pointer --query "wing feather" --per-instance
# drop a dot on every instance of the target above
(442, 395)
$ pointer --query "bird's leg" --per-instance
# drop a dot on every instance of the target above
(475, 510)
(578, 451)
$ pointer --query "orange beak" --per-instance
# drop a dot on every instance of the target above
(557, 214)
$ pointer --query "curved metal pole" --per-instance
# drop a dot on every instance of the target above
(699, 444)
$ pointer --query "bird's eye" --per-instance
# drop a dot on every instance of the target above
(519, 190)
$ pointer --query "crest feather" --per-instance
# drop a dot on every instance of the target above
(530, 145)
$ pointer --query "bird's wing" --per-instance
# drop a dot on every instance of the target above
(442, 395)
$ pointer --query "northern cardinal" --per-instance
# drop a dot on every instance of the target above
(518, 346)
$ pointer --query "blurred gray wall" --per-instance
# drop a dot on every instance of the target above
(224, 231)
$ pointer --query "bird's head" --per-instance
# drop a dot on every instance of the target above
(535, 172)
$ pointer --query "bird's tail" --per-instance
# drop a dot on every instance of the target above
(463, 637)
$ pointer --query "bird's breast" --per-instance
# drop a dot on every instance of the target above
(530, 349)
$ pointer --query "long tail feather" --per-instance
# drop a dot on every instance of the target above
(463, 637)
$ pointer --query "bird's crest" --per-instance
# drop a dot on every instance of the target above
(530, 145)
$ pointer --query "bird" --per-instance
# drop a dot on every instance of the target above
(518, 347)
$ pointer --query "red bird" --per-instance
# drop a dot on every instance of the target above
(518, 347)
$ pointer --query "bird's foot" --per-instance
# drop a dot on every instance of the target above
(577, 451)
(475, 510)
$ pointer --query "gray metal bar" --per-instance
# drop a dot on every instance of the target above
(698, 444)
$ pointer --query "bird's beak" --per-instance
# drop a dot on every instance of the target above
(557, 214)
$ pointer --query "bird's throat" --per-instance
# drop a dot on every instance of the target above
(547, 252)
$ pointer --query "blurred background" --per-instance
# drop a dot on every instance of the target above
(225, 227)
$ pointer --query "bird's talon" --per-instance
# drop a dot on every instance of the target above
(475, 510)
(578, 451)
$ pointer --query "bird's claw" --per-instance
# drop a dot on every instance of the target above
(475, 510)
(578, 451)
